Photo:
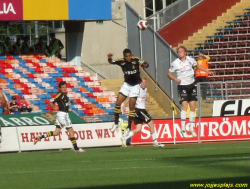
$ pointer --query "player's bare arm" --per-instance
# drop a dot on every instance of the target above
(170, 75)
(144, 65)
(52, 105)
(110, 57)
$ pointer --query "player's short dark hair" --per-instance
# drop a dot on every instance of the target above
(182, 47)
(125, 51)
(52, 35)
(62, 83)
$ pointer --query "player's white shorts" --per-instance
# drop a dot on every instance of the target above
(130, 90)
(63, 120)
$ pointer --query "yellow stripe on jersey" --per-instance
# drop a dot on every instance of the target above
(57, 96)
(119, 59)
(138, 58)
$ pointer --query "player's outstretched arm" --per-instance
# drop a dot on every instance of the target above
(110, 58)
(144, 65)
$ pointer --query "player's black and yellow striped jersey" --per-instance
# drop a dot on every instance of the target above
(62, 100)
(130, 69)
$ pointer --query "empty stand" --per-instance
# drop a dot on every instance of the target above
(229, 49)
(37, 78)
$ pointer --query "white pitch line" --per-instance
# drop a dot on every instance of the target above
(118, 168)
(160, 159)
(210, 148)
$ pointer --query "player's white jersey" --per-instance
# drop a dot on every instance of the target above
(141, 99)
(184, 70)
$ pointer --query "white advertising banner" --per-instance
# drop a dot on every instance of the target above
(9, 139)
(87, 135)
(231, 108)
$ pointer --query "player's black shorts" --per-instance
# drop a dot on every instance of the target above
(142, 116)
(187, 93)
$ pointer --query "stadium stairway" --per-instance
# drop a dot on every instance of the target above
(229, 50)
(220, 22)
(37, 77)
(154, 109)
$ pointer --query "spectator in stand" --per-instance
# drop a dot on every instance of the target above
(25, 45)
(24, 106)
(3, 101)
(55, 46)
(14, 106)
(202, 76)
(17, 47)
(7, 48)
(41, 47)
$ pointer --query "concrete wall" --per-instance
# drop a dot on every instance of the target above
(109, 37)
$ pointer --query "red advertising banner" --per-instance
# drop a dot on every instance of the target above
(211, 129)
(11, 10)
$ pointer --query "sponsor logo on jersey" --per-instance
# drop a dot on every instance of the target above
(131, 72)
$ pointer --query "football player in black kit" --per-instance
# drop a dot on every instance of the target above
(131, 86)
(62, 117)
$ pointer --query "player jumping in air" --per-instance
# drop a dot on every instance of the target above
(62, 117)
(186, 89)
(131, 87)
(142, 116)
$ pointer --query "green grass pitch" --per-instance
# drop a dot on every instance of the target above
(146, 167)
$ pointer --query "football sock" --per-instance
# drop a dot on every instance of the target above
(73, 141)
(154, 137)
(117, 112)
(130, 134)
(192, 120)
(183, 120)
(131, 118)
(48, 134)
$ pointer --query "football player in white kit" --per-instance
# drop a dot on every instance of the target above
(62, 117)
(142, 116)
(187, 91)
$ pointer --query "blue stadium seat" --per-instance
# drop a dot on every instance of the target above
(23, 75)
(10, 86)
(99, 105)
(16, 70)
(43, 60)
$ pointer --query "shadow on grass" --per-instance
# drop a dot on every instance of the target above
(176, 184)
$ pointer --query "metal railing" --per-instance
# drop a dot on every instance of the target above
(171, 13)
(150, 46)
(94, 70)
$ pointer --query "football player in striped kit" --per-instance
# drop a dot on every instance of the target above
(130, 88)
(62, 117)
(142, 116)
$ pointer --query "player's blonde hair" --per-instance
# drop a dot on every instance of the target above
(181, 47)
